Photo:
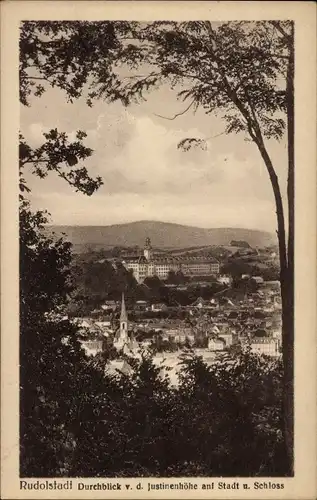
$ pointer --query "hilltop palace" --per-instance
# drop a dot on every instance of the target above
(150, 264)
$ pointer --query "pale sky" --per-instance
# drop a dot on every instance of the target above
(145, 176)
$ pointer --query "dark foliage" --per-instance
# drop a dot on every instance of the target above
(213, 424)
(55, 375)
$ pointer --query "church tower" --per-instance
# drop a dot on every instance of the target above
(123, 321)
(122, 340)
(148, 249)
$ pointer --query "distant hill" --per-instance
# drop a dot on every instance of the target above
(162, 234)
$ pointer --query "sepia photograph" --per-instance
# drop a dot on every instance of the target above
(157, 243)
(156, 248)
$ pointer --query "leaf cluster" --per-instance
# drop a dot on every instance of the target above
(66, 55)
(58, 154)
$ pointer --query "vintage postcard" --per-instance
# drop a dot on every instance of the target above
(158, 250)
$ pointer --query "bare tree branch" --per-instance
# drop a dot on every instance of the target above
(177, 114)
(217, 135)
(27, 77)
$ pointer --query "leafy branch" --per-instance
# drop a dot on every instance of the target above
(60, 155)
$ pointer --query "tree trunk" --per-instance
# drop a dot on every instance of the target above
(288, 288)
(288, 365)
(279, 208)
(287, 291)
(291, 158)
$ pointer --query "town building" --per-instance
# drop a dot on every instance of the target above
(225, 280)
(141, 305)
(149, 264)
(92, 347)
(216, 344)
(109, 305)
(122, 338)
(258, 280)
(158, 307)
(228, 338)
(265, 345)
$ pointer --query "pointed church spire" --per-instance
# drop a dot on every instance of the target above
(123, 316)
